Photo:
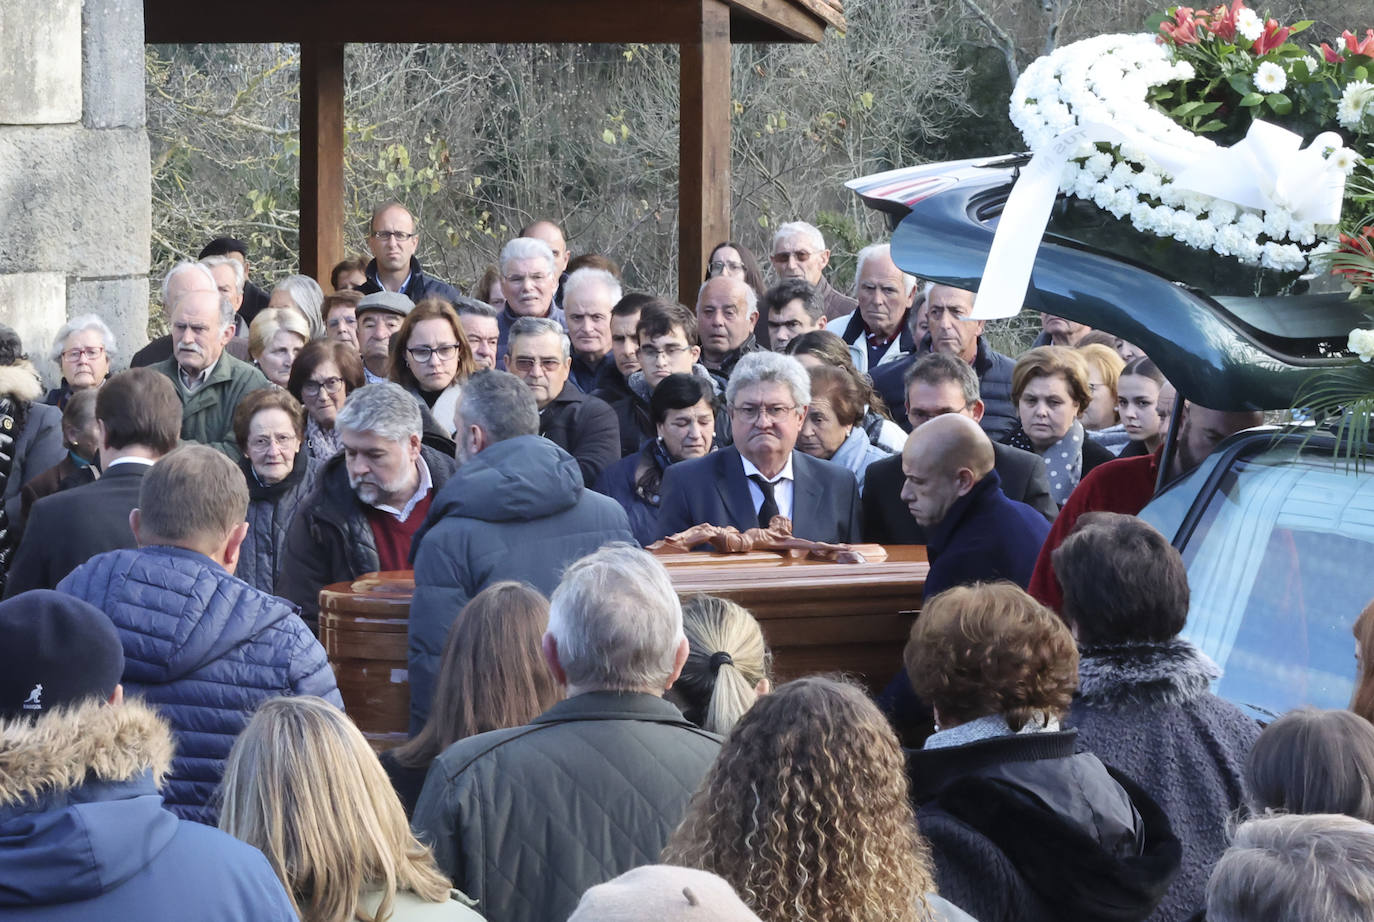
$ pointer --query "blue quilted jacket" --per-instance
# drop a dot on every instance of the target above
(205, 649)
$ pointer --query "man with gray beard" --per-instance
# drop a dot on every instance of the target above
(368, 501)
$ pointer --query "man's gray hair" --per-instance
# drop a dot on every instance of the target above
(80, 324)
(1317, 867)
(800, 229)
(527, 248)
(210, 262)
(383, 408)
(751, 297)
(938, 368)
(471, 307)
(590, 276)
(758, 367)
(883, 250)
(180, 268)
(539, 326)
(617, 621)
(306, 294)
(499, 404)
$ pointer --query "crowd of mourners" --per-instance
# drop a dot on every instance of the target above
(583, 745)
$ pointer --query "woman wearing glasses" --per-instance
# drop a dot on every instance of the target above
(269, 426)
(322, 377)
(83, 347)
(431, 358)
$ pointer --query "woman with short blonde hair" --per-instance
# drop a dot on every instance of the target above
(727, 664)
(275, 337)
(1100, 418)
(1049, 388)
(303, 786)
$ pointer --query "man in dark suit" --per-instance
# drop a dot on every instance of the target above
(539, 353)
(138, 415)
(761, 475)
(936, 384)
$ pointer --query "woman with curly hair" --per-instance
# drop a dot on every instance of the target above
(805, 813)
(1022, 827)
(821, 347)
(303, 786)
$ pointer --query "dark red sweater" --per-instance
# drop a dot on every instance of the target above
(393, 538)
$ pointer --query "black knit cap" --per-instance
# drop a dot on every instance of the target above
(55, 650)
(223, 246)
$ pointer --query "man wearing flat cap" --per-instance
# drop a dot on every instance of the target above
(84, 832)
(379, 315)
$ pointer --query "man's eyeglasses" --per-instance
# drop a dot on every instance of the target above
(401, 236)
(718, 266)
(786, 256)
(525, 364)
(653, 353)
(423, 354)
(328, 385)
(751, 413)
(84, 352)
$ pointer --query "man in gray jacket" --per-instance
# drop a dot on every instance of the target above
(515, 509)
(526, 819)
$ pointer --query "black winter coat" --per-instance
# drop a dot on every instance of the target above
(270, 511)
(583, 426)
(1147, 710)
(1022, 829)
(330, 540)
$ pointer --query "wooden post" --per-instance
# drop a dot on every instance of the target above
(704, 147)
(322, 151)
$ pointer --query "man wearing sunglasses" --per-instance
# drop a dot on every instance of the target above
(393, 239)
(799, 252)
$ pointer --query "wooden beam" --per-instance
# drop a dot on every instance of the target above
(523, 21)
(796, 20)
(703, 147)
(322, 163)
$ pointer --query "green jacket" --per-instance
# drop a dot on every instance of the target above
(207, 416)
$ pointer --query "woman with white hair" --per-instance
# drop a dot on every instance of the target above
(305, 295)
(83, 347)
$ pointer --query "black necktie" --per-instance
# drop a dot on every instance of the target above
(770, 502)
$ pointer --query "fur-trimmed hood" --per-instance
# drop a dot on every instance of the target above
(20, 382)
(1173, 672)
(67, 748)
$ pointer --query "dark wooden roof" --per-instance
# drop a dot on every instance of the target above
(506, 21)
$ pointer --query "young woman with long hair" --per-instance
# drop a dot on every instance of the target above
(302, 786)
(727, 666)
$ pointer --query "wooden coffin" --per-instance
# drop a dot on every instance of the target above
(817, 617)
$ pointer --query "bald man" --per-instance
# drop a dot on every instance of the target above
(973, 531)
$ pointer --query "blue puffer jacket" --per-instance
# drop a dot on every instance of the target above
(518, 510)
(206, 649)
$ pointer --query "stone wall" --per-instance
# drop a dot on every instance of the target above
(74, 171)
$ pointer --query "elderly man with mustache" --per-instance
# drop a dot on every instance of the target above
(209, 381)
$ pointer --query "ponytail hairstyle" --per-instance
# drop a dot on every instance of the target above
(726, 663)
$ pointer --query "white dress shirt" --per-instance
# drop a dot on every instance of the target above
(782, 486)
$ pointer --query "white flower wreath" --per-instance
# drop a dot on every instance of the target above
(1104, 81)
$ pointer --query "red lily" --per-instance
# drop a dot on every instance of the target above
(1223, 24)
(1355, 46)
(1332, 57)
(1183, 31)
(1272, 38)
